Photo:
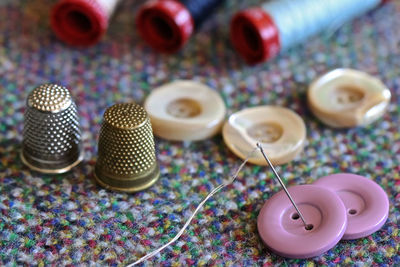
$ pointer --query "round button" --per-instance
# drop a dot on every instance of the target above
(280, 131)
(366, 203)
(348, 98)
(185, 111)
(283, 231)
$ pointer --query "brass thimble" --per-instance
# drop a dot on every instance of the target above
(126, 151)
(51, 136)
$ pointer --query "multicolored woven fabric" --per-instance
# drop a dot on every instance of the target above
(68, 220)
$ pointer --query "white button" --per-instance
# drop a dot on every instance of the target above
(347, 98)
(185, 111)
(280, 131)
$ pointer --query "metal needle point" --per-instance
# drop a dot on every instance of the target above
(282, 184)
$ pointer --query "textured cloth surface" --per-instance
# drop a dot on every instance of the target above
(70, 220)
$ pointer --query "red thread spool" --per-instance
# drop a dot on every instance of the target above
(165, 25)
(82, 22)
(255, 35)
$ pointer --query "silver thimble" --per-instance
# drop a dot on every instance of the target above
(126, 151)
(52, 138)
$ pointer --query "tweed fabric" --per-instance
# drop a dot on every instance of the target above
(68, 220)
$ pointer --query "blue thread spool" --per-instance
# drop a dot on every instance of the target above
(260, 33)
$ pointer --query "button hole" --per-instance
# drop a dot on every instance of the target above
(309, 227)
(295, 216)
(352, 211)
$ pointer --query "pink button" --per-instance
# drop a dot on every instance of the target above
(284, 233)
(367, 205)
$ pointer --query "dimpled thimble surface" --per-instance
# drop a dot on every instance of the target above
(51, 136)
(126, 151)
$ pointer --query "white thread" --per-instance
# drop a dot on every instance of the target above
(213, 192)
(297, 20)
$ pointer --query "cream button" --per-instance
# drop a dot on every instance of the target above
(185, 111)
(280, 131)
(347, 98)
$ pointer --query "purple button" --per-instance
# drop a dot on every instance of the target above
(367, 205)
(282, 230)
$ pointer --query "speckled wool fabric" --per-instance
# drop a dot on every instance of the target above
(68, 220)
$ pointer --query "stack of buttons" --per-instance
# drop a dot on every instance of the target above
(339, 206)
